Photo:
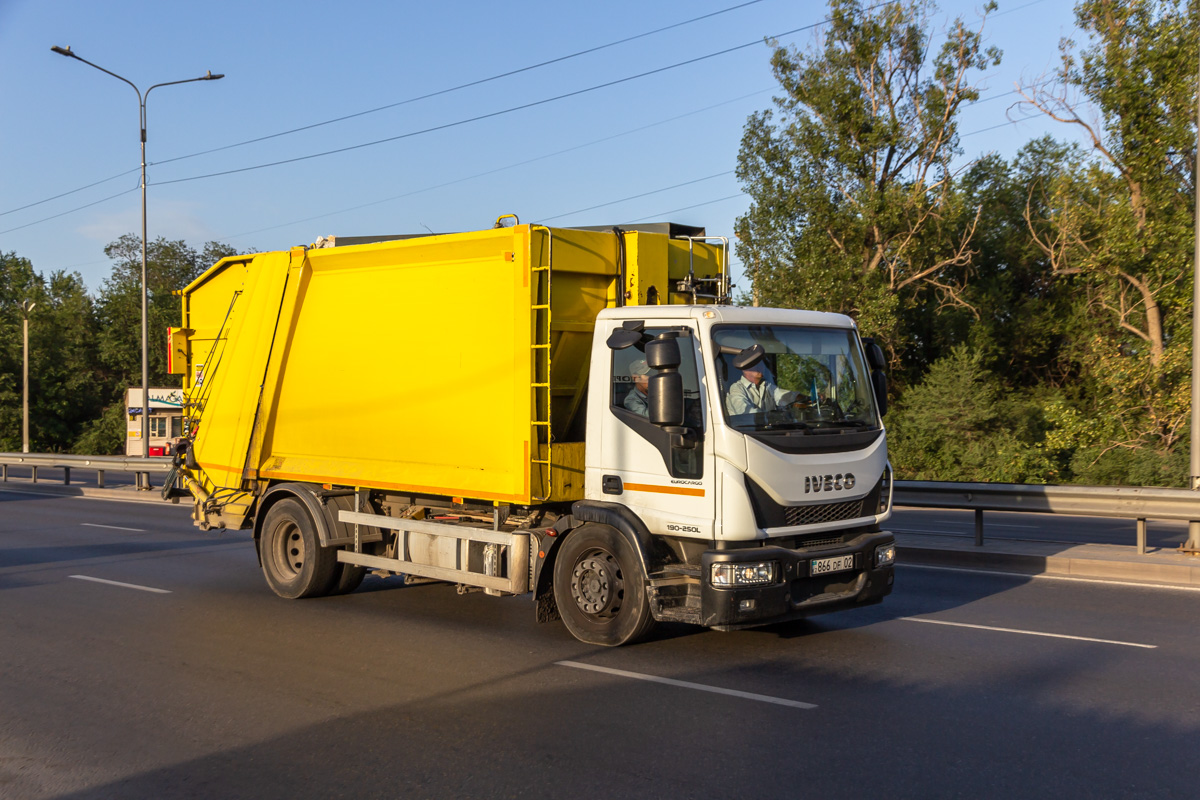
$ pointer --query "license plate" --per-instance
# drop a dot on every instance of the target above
(823, 566)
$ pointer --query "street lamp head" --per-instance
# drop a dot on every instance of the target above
(64, 51)
(211, 77)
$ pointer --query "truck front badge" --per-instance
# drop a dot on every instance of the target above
(828, 483)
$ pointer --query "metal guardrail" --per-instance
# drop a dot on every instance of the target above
(1129, 502)
(141, 467)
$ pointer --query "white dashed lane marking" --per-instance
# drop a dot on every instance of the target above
(118, 583)
(637, 676)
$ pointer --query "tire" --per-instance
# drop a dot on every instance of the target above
(600, 589)
(293, 560)
(349, 578)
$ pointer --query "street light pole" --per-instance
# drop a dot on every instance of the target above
(26, 307)
(66, 51)
(1193, 540)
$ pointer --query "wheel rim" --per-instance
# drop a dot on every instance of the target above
(597, 585)
(289, 549)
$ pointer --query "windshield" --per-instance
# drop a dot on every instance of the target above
(811, 379)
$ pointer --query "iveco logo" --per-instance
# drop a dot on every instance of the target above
(828, 483)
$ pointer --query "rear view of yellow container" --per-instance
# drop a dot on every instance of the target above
(442, 365)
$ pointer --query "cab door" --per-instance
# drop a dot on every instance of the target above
(665, 477)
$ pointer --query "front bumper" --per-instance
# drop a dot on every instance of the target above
(797, 593)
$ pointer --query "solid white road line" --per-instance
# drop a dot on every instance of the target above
(111, 527)
(1027, 633)
(1041, 577)
(118, 583)
(762, 698)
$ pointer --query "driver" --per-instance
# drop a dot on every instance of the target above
(754, 391)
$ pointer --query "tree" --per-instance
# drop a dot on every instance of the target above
(170, 266)
(63, 388)
(961, 424)
(854, 203)
(1120, 226)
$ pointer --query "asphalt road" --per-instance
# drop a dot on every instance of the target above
(211, 687)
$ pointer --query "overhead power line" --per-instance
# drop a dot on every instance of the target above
(73, 191)
(662, 214)
(489, 115)
(495, 170)
(469, 84)
(72, 211)
(426, 96)
(636, 196)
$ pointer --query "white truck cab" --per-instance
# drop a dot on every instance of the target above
(751, 467)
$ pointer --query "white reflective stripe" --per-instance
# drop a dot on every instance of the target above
(1027, 633)
(118, 583)
(637, 676)
(111, 527)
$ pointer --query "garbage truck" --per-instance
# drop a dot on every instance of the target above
(574, 414)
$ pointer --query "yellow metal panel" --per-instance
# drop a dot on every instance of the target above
(177, 363)
(648, 280)
(408, 364)
(233, 319)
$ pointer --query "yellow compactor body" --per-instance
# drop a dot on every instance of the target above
(445, 365)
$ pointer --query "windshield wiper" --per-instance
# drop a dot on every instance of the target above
(784, 426)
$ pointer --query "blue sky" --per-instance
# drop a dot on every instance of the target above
(670, 137)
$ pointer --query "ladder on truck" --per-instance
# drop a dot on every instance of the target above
(539, 309)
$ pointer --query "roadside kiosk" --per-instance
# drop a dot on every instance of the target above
(166, 420)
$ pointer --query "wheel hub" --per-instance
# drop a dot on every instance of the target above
(596, 584)
(290, 551)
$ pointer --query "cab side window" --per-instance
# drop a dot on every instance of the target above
(628, 400)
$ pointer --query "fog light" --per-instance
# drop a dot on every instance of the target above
(885, 555)
(744, 574)
(746, 605)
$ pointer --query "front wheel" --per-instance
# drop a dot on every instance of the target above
(600, 589)
(293, 560)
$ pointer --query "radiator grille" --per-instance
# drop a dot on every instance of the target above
(827, 541)
(825, 512)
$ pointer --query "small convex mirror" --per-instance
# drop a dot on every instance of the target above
(749, 357)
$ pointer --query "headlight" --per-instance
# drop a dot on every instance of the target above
(885, 555)
(744, 574)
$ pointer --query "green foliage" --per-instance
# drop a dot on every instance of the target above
(1037, 312)
(961, 424)
(105, 435)
(1117, 227)
(854, 204)
(84, 351)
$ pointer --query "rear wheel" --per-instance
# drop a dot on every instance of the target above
(349, 577)
(293, 560)
(600, 589)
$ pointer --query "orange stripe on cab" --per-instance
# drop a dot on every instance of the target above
(653, 487)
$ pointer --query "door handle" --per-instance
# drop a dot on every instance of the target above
(611, 484)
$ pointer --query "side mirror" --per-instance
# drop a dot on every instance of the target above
(875, 357)
(879, 384)
(663, 352)
(665, 398)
